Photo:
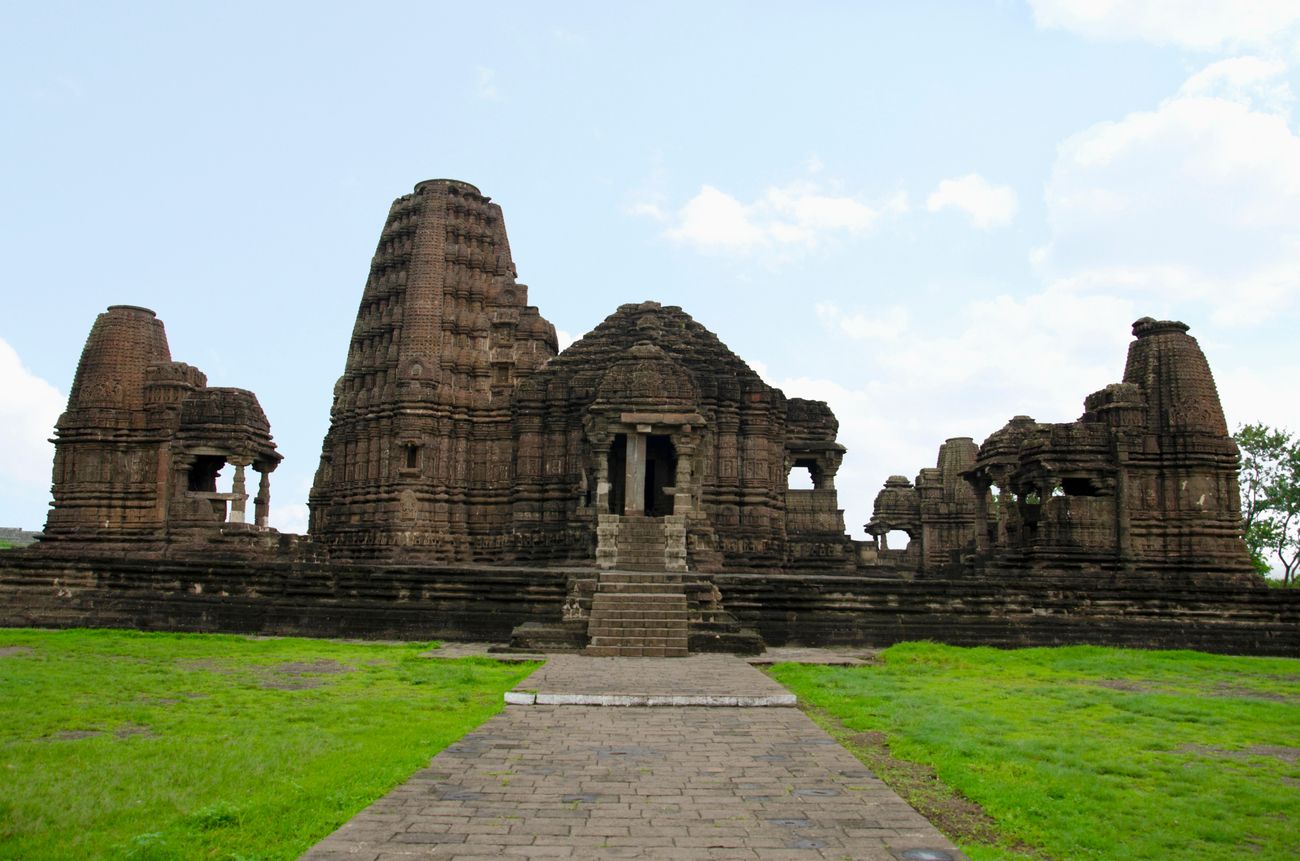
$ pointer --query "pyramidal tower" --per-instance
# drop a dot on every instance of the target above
(418, 456)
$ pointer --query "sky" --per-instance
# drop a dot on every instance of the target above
(932, 215)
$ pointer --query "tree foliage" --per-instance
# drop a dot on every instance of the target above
(1270, 497)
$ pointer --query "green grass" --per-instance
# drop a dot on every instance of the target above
(1086, 752)
(118, 744)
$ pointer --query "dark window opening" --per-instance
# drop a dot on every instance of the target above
(203, 474)
(412, 456)
(1079, 487)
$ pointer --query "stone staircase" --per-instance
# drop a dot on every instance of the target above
(638, 614)
(641, 543)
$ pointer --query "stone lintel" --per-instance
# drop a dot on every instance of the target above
(661, 419)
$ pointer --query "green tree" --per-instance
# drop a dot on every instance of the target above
(1283, 514)
(1270, 497)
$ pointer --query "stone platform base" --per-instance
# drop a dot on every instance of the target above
(282, 596)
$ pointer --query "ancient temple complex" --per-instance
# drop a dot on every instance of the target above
(629, 495)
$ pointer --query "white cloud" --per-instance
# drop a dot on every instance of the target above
(28, 411)
(564, 339)
(647, 209)
(487, 84)
(784, 216)
(1258, 393)
(1039, 355)
(1200, 25)
(1195, 201)
(290, 518)
(1252, 81)
(889, 325)
(715, 219)
(986, 205)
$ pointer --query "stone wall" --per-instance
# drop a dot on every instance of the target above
(274, 595)
(410, 602)
(1017, 610)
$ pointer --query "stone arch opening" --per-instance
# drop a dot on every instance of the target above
(803, 475)
(895, 539)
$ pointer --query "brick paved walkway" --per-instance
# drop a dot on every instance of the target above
(576, 781)
(705, 680)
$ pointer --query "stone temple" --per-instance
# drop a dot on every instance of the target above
(628, 496)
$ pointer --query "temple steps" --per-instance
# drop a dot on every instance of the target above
(635, 614)
(641, 543)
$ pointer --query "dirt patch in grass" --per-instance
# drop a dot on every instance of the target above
(1127, 685)
(289, 683)
(134, 730)
(961, 819)
(14, 651)
(72, 735)
(1289, 755)
(1240, 692)
(324, 665)
(301, 675)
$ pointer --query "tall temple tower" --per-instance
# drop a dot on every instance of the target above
(419, 451)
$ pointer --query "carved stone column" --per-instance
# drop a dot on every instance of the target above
(600, 454)
(634, 483)
(683, 492)
(262, 502)
(981, 489)
(239, 494)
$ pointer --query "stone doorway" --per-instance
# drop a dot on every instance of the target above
(660, 476)
(642, 472)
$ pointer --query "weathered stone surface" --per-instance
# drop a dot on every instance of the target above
(418, 457)
(652, 384)
(138, 450)
(1144, 482)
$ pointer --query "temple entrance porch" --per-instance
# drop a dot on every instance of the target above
(643, 493)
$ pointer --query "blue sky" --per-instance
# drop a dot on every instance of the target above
(934, 215)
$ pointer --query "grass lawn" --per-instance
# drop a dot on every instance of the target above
(118, 744)
(1080, 752)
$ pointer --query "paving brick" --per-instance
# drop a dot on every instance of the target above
(665, 783)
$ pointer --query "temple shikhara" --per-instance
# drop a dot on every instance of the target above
(628, 496)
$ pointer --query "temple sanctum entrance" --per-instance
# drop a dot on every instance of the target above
(642, 474)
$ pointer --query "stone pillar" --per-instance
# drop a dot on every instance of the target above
(683, 498)
(1123, 527)
(981, 489)
(634, 483)
(239, 492)
(262, 502)
(1005, 500)
(601, 498)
